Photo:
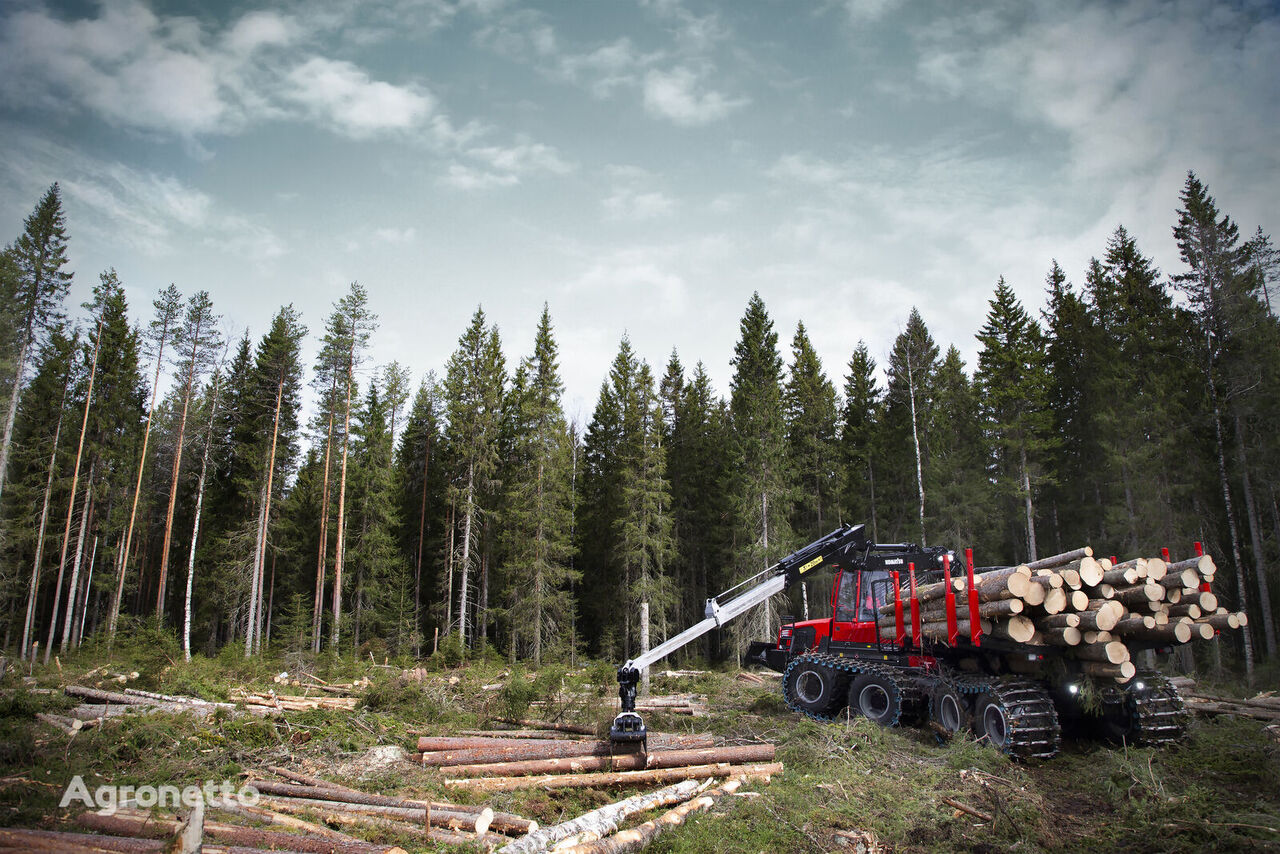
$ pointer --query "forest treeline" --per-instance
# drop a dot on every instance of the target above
(1132, 411)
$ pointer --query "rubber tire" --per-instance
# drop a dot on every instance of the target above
(812, 687)
(991, 720)
(876, 697)
(949, 709)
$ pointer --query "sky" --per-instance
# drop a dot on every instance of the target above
(640, 166)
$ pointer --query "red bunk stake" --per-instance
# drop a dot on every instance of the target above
(953, 630)
(1164, 554)
(975, 625)
(897, 608)
(915, 607)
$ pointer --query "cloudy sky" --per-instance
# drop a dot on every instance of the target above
(641, 165)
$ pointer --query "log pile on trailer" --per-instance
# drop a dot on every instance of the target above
(1094, 611)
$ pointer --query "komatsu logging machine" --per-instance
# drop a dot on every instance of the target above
(1016, 696)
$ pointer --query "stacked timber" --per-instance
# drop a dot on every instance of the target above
(497, 764)
(1075, 605)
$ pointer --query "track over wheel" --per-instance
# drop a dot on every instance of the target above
(1147, 711)
(877, 697)
(949, 709)
(810, 686)
(1018, 717)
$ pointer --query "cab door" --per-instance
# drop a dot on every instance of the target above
(858, 596)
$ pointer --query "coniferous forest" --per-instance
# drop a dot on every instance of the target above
(152, 471)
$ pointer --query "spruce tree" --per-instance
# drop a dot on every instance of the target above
(474, 385)
(809, 405)
(540, 505)
(859, 431)
(421, 487)
(961, 505)
(1013, 384)
(762, 491)
(904, 429)
(33, 293)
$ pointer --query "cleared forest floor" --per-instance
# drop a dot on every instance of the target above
(1220, 790)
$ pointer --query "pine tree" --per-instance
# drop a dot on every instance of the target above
(214, 394)
(859, 431)
(197, 341)
(809, 406)
(33, 294)
(1013, 385)
(763, 496)
(474, 386)
(346, 338)
(540, 504)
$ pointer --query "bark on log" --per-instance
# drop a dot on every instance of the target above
(576, 729)
(1062, 559)
(1206, 707)
(541, 734)
(554, 750)
(1222, 622)
(603, 820)
(1060, 621)
(1071, 579)
(1112, 652)
(309, 779)
(1135, 623)
(1193, 611)
(20, 839)
(1123, 577)
(636, 838)
(448, 816)
(1098, 637)
(433, 743)
(1047, 578)
(1101, 615)
(624, 762)
(1203, 565)
(161, 828)
(1172, 633)
(620, 778)
(99, 696)
(1077, 600)
(1122, 672)
(1140, 594)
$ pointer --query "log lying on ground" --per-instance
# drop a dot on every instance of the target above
(602, 821)
(577, 729)
(636, 838)
(269, 816)
(431, 743)
(147, 825)
(393, 825)
(621, 778)
(309, 779)
(538, 734)
(294, 703)
(521, 751)
(471, 819)
(25, 840)
(100, 696)
(1195, 704)
(623, 762)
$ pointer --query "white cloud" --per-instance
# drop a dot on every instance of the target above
(343, 95)
(678, 96)
(863, 11)
(462, 177)
(522, 158)
(625, 204)
(634, 281)
(394, 235)
(261, 29)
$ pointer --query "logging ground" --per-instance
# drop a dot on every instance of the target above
(1219, 790)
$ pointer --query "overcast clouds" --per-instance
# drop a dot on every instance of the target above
(642, 167)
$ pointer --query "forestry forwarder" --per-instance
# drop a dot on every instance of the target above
(1014, 695)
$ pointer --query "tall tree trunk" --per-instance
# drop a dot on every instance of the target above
(342, 508)
(1242, 589)
(1255, 537)
(75, 560)
(1030, 509)
(537, 577)
(44, 518)
(317, 611)
(871, 485)
(88, 588)
(467, 511)
(12, 414)
(271, 598)
(195, 527)
(255, 580)
(644, 647)
(482, 611)
(915, 438)
(173, 480)
(75, 482)
(417, 569)
(73, 588)
(261, 566)
(448, 569)
(137, 490)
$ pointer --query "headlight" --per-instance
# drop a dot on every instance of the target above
(1073, 689)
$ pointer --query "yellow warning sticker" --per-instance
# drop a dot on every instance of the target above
(811, 564)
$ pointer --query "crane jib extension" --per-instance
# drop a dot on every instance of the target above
(742, 597)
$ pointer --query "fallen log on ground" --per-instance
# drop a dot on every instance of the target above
(551, 750)
(442, 814)
(603, 820)
(578, 729)
(148, 825)
(540, 734)
(636, 838)
(622, 762)
(620, 778)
